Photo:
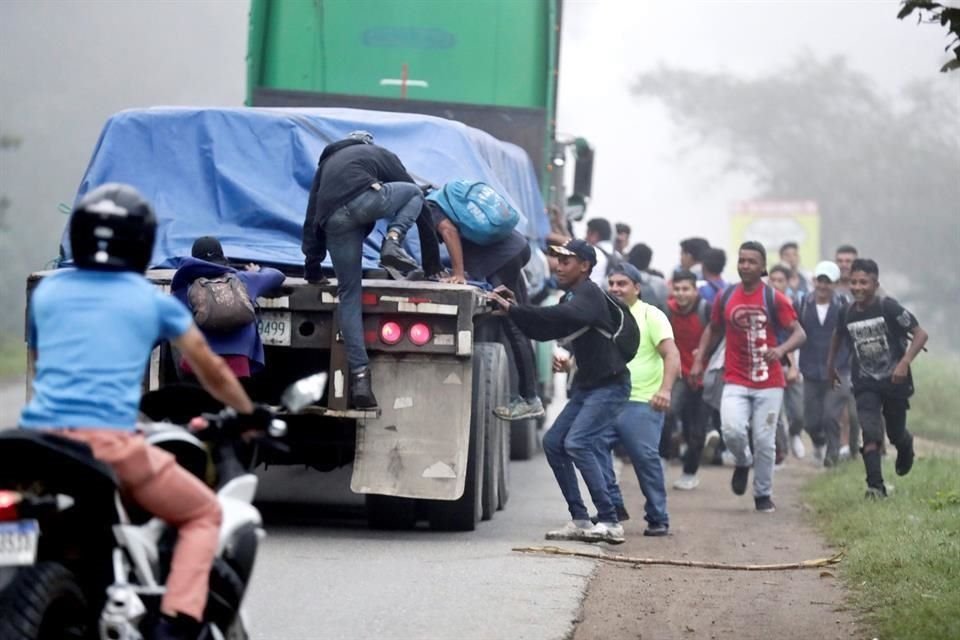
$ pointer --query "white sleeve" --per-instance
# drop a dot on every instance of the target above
(599, 273)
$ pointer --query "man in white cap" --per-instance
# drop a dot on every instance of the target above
(823, 404)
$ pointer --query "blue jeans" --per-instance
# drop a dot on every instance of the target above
(745, 410)
(638, 430)
(573, 441)
(346, 228)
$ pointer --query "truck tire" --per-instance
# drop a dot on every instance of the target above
(504, 478)
(491, 380)
(523, 439)
(44, 602)
(464, 513)
(389, 513)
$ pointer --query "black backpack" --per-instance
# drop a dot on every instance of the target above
(614, 260)
(626, 336)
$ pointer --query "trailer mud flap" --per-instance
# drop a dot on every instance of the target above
(417, 448)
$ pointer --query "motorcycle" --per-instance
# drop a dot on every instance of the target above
(76, 562)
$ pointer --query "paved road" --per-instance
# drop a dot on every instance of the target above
(334, 578)
(322, 574)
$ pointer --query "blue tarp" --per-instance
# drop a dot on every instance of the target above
(242, 174)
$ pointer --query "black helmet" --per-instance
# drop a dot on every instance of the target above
(112, 229)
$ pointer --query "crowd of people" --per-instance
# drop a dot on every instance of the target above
(685, 365)
(725, 373)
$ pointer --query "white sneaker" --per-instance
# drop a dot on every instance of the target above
(573, 530)
(728, 459)
(687, 482)
(611, 532)
(844, 453)
(710, 445)
(797, 448)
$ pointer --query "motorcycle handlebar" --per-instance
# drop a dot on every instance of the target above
(228, 422)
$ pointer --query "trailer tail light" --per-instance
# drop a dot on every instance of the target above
(391, 332)
(9, 505)
(419, 334)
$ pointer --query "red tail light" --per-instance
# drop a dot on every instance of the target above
(9, 503)
(419, 334)
(391, 332)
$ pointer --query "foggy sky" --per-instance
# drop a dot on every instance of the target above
(65, 67)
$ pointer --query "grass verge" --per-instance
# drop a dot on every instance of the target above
(13, 356)
(935, 407)
(902, 563)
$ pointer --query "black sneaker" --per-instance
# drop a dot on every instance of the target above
(764, 504)
(656, 530)
(393, 257)
(905, 458)
(876, 493)
(622, 515)
(179, 628)
(739, 481)
(361, 389)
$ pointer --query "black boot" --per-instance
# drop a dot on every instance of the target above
(394, 258)
(905, 455)
(872, 463)
(361, 389)
(180, 628)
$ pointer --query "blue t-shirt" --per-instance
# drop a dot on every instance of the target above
(93, 332)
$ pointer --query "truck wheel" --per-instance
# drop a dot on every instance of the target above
(523, 439)
(44, 602)
(491, 380)
(462, 514)
(504, 477)
(389, 513)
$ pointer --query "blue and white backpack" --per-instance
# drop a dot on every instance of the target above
(481, 215)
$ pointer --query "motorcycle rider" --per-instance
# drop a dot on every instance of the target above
(91, 331)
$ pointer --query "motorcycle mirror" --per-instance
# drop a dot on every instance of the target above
(304, 392)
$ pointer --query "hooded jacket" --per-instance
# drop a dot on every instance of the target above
(339, 178)
(244, 341)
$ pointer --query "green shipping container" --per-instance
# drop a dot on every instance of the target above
(488, 63)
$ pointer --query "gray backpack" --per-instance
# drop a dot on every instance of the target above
(221, 303)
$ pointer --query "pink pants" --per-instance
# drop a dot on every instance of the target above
(151, 478)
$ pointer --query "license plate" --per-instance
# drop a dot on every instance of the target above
(274, 327)
(18, 543)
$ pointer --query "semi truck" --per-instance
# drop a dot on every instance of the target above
(490, 64)
(433, 450)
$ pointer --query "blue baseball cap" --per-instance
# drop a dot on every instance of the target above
(580, 249)
(627, 269)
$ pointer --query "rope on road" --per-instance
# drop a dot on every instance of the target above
(803, 564)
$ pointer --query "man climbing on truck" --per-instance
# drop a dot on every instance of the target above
(356, 184)
(499, 263)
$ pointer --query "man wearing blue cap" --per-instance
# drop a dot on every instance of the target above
(598, 394)
(652, 374)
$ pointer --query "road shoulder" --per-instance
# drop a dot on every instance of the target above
(712, 524)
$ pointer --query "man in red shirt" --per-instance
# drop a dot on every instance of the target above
(749, 315)
(689, 316)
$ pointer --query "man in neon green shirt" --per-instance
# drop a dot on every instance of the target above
(652, 374)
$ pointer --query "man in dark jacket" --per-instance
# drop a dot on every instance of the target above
(599, 392)
(356, 184)
(823, 403)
